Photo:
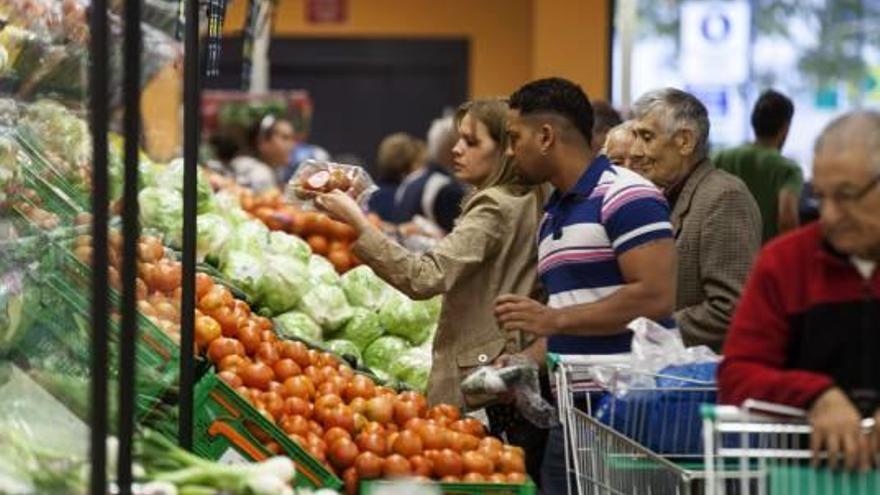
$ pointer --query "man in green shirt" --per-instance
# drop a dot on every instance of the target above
(774, 181)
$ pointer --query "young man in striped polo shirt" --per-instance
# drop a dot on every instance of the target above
(606, 252)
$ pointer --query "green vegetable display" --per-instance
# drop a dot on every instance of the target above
(284, 244)
(406, 318)
(384, 351)
(362, 329)
(326, 304)
(244, 270)
(162, 209)
(363, 288)
(322, 272)
(345, 348)
(214, 233)
(297, 325)
(282, 284)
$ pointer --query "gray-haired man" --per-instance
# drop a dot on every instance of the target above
(716, 222)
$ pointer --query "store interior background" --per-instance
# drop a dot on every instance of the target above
(393, 65)
(507, 43)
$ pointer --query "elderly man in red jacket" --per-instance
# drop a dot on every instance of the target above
(806, 332)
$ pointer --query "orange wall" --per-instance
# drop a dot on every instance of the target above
(512, 41)
(571, 40)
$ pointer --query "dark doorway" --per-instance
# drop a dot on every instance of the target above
(363, 89)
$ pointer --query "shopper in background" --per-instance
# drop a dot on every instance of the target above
(605, 246)
(399, 154)
(716, 221)
(805, 333)
(618, 143)
(491, 251)
(605, 118)
(271, 140)
(430, 191)
(773, 180)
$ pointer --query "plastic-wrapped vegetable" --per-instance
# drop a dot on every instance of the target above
(213, 233)
(10, 172)
(162, 209)
(362, 329)
(295, 324)
(251, 237)
(283, 283)
(412, 367)
(172, 178)
(227, 205)
(321, 271)
(406, 318)
(364, 288)
(244, 270)
(284, 244)
(383, 351)
(344, 348)
(326, 304)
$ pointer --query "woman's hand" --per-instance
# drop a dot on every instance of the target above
(341, 207)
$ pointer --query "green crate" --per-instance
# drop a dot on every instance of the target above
(226, 427)
(62, 310)
(527, 488)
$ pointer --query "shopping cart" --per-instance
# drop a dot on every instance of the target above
(764, 449)
(644, 441)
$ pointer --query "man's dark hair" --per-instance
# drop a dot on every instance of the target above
(772, 112)
(559, 96)
(605, 117)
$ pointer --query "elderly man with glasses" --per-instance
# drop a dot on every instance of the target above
(807, 330)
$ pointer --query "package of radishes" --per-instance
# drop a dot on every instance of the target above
(314, 178)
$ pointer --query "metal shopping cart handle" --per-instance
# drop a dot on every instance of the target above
(759, 411)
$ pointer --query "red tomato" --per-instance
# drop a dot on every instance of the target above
(342, 453)
(448, 463)
(396, 466)
(407, 444)
(368, 465)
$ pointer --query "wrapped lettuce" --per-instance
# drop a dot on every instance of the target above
(384, 351)
(297, 325)
(406, 318)
(326, 304)
(283, 283)
(364, 288)
(244, 270)
(284, 244)
(162, 209)
(412, 368)
(344, 348)
(362, 329)
(172, 178)
(227, 205)
(321, 271)
(250, 237)
(213, 233)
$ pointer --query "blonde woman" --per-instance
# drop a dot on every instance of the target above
(490, 251)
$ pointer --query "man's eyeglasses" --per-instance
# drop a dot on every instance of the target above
(848, 195)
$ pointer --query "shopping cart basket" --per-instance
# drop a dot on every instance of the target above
(764, 449)
(644, 441)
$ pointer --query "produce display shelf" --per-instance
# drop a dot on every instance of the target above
(43, 167)
(374, 487)
(229, 429)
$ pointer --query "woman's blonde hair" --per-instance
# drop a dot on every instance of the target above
(491, 112)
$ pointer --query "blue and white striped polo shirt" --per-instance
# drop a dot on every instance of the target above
(608, 212)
